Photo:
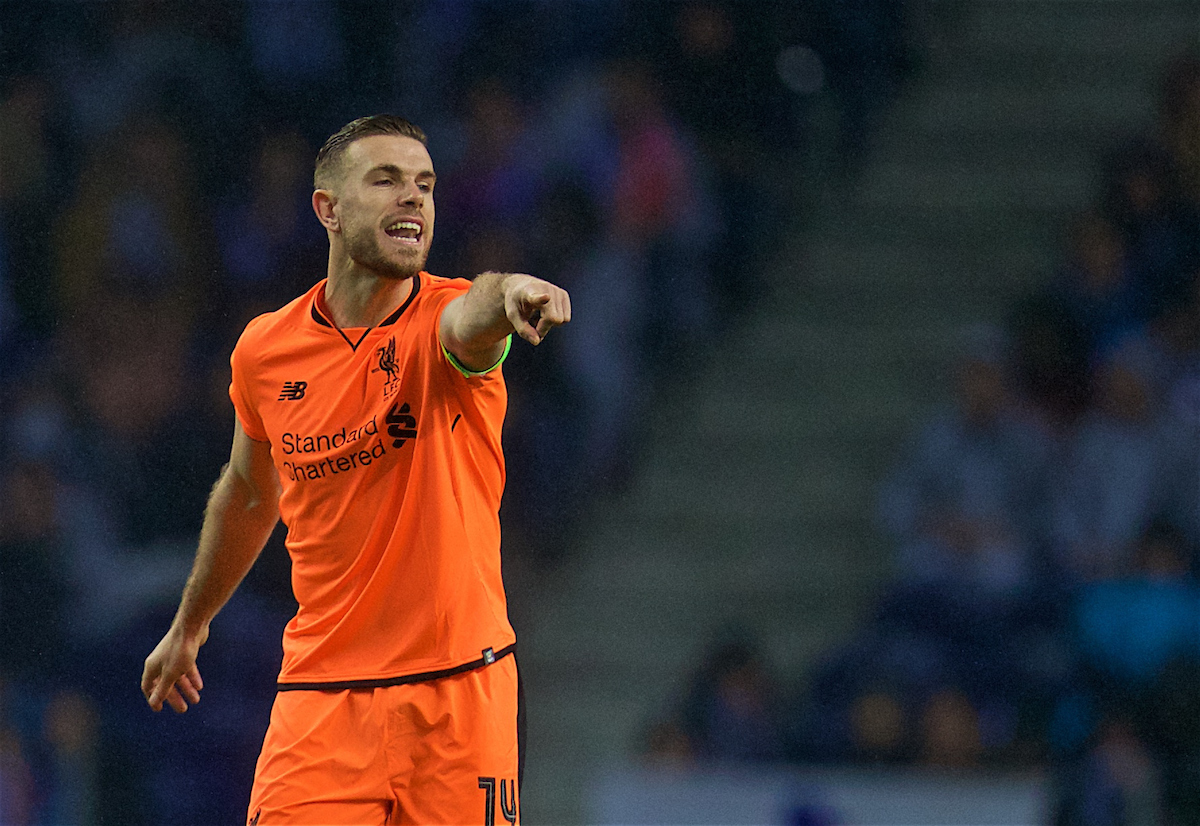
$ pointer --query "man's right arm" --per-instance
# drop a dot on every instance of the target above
(242, 511)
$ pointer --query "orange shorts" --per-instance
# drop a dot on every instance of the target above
(443, 751)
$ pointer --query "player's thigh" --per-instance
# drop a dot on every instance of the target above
(465, 766)
(322, 762)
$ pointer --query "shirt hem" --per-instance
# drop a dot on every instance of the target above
(489, 656)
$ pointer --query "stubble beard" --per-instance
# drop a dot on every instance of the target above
(363, 249)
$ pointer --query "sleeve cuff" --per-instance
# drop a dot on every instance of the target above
(469, 373)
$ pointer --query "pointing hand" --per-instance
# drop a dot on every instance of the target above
(534, 306)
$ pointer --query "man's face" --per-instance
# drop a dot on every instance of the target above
(385, 204)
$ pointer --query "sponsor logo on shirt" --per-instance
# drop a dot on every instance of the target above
(401, 424)
(292, 391)
(346, 450)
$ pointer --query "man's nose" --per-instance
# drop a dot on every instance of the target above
(411, 195)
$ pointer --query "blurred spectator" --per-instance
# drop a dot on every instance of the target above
(731, 709)
(865, 47)
(17, 792)
(272, 246)
(489, 195)
(1179, 120)
(862, 698)
(1116, 784)
(667, 744)
(1138, 650)
(1161, 232)
(295, 54)
(578, 138)
(959, 651)
(1131, 627)
(135, 228)
(162, 57)
(879, 727)
(982, 563)
(70, 730)
(606, 375)
(1174, 729)
(28, 197)
(980, 462)
(65, 575)
(34, 574)
(659, 213)
(1112, 482)
(131, 426)
(1096, 291)
(720, 77)
(1051, 364)
(1175, 339)
(968, 610)
(611, 206)
(950, 731)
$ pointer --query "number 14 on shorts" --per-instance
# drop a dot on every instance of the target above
(508, 800)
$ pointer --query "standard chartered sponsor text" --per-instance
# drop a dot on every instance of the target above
(363, 449)
(301, 443)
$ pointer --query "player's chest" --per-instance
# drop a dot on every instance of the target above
(328, 394)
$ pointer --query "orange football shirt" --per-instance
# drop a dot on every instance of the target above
(392, 474)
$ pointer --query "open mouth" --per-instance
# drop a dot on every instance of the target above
(404, 231)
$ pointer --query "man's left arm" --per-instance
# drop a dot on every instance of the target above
(474, 326)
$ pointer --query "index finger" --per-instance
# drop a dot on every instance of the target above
(520, 322)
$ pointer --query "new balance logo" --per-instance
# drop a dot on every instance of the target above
(292, 391)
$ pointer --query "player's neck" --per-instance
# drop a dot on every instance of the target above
(362, 298)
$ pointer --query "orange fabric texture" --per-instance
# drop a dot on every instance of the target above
(436, 752)
(392, 474)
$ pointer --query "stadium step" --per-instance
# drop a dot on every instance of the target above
(1086, 31)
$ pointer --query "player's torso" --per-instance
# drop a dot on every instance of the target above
(391, 473)
(331, 410)
(351, 413)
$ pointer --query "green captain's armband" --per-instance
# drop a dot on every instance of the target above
(469, 373)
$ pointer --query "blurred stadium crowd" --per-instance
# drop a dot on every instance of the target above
(156, 160)
(1045, 607)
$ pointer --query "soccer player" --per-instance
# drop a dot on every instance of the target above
(368, 417)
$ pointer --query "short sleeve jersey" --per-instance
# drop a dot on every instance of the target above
(392, 473)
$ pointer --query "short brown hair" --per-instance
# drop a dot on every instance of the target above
(331, 153)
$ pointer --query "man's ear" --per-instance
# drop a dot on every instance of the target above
(323, 203)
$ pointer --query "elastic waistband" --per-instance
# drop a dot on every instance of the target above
(488, 657)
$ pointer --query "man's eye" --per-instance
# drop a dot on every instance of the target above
(383, 182)
(425, 187)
